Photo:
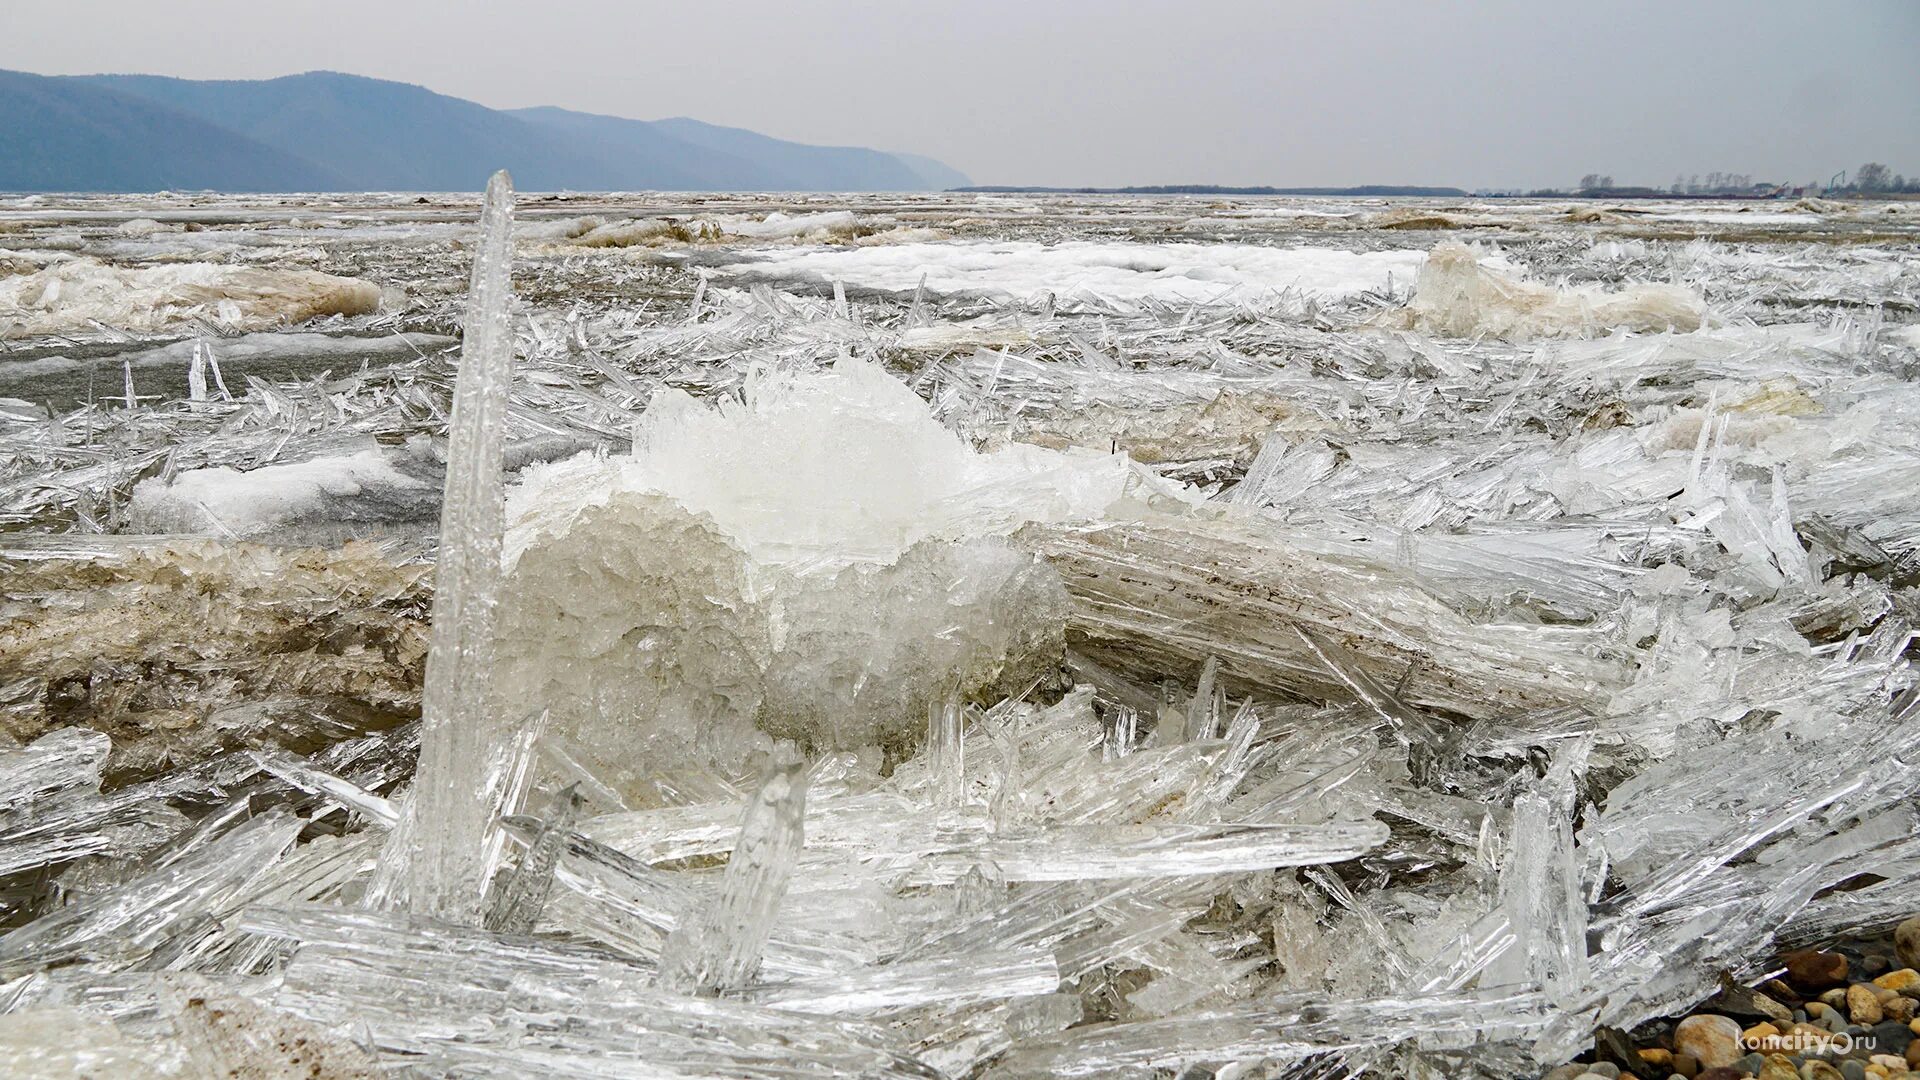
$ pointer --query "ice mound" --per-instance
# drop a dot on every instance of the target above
(1116, 272)
(1458, 295)
(75, 294)
(366, 485)
(819, 560)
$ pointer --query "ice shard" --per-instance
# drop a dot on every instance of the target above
(458, 793)
(719, 948)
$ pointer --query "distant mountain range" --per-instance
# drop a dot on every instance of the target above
(324, 131)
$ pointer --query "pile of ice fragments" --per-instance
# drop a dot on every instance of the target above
(1396, 681)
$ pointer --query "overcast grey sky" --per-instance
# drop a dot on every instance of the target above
(1501, 93)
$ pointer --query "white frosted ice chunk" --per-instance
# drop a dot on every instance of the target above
(73, 295)
(843, 466)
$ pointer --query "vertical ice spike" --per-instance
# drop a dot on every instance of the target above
(946, 752)
(458, 789)
(1203, 712)
(718, 949)
(197, 373)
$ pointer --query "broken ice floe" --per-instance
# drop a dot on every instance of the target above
(1183, 677)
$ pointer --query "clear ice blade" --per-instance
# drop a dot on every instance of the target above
(457, 798)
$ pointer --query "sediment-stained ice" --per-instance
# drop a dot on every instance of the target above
(1458, 295)
(77, 293)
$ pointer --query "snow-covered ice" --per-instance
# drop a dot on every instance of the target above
(1078, 269)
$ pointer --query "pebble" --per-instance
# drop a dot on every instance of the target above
(1888, 1062)
(1892, 1037)
(1777, 1067)
(1906, 942)
(1566, 1072)
(1874, 965)
(1853, 1070)
(1812, 969)
(1750, 1064)
(1604, 1068)
(1820, 1070)
(1835, 997)
(1863, 1005)
(1657, 1055)
(1685, 1064)
(1755, 1035)
(1900, 1007)
(1898, 980)
(1775, 1011)
(1590, 1076)
(1713, 1041)
(1720, 1073)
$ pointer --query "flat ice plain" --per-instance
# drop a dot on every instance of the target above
(952, 635)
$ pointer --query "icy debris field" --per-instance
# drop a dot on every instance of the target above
(941, 636)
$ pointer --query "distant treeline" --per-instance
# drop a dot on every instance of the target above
(1214, 189)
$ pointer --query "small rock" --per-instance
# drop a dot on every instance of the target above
(1590, 1076)
(1566, 1072)
(1906, 942)
(1901, 1008)
(1853, 1070)
(1819, 1070)
(1772, 1067)
(1913, 1054)
(1898, 980)
(1874, 965)
(1605, 1068)
(1721, 1072)
(1685, 1064)
(1835, 997)
(1812, 969)
(1758, 1034)
(1862, 1005)
(1818, 1009)
(1780, 991)
(1713, 1041)
(1775, 1011)
(1657, 1055)
(1892, 1037)
(1889, 1062)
